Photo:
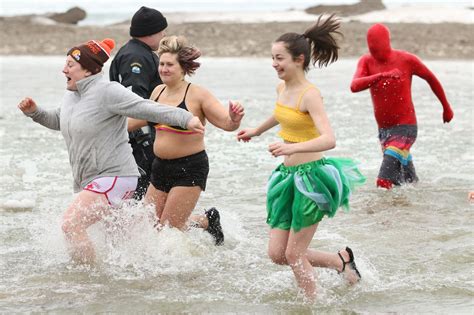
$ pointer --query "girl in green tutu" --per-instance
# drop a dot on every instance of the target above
(306, 186)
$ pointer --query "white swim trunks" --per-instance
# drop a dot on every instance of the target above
(115, 189)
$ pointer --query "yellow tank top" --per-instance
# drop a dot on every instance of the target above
(296, 126)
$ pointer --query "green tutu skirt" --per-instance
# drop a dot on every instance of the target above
(301, 195)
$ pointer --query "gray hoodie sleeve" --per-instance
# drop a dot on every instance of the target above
(120, 100)
(47, 118)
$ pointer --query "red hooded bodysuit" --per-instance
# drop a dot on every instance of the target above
(388, 73)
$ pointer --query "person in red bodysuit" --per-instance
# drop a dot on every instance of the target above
(388, 73)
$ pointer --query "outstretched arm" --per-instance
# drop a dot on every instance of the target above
(247, 134)
(226, 119)
(423, 72)
(362, 80)
(47, 118)
(120, 100)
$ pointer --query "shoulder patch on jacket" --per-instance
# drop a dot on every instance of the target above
(136, 68)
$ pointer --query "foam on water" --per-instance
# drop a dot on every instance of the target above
(17, 205)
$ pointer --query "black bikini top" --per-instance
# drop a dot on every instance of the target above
(181, 105)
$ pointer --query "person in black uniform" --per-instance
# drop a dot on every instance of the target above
(136, 67)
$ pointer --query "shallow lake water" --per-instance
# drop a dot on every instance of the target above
(413, 245)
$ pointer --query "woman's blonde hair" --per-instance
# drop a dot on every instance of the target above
(185, 53)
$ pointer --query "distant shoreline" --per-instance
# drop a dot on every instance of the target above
(24, 36)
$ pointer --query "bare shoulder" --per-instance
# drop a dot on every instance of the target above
(196, 88)
(198, 91)
(156, 91)
(200, 94)
(312, 94)
(311, 99)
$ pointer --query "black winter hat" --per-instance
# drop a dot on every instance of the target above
(147, 21)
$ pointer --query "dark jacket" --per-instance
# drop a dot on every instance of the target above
(136, 66)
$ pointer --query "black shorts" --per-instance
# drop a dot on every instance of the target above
(188, 171)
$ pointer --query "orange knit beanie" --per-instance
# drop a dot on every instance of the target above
(93, 54)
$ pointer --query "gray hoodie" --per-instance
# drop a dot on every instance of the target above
(93, 121)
